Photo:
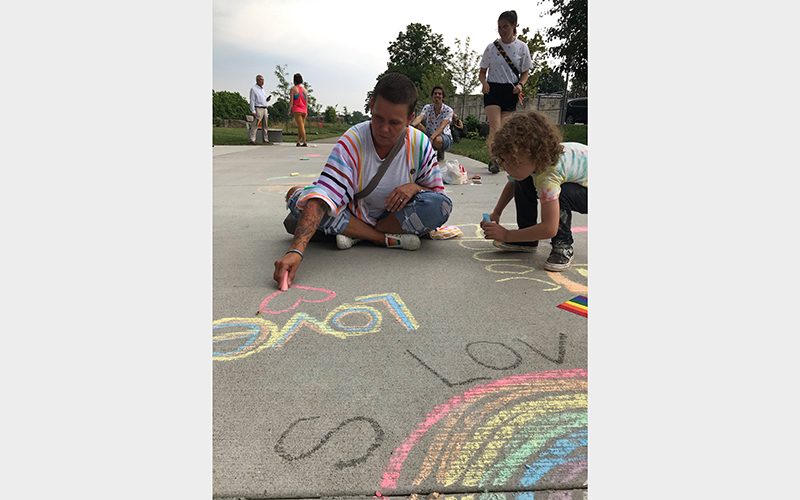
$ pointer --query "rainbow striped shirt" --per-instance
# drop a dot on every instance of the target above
(352, 164)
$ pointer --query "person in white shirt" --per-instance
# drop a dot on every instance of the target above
(258, 107)
(501, 83)
(437, 118)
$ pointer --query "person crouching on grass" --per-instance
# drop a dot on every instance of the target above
(527, 145)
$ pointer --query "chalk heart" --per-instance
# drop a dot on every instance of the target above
(300, 294)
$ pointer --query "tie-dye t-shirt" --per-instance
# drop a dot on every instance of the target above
(572, 166)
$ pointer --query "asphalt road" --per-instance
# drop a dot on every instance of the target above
(450, 369)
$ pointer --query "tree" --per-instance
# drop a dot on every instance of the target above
(415, 52)
(314, 108)
(538, 53)
(331, 116)
(229, 105)
(278, 112)
(351, 118)
(579, 87)
(465, 70)
(551, 81)
(571, 36)
(436, 76)
(281, 92)
(359, 117)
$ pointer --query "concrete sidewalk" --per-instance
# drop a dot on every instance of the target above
(450, 369)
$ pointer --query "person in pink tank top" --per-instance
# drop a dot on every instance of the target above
(298, 98)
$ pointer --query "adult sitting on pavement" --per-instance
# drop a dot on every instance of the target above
(258, 107)
(437, 117)
(408, 200)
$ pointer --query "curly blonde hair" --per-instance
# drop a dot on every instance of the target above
(528, 131)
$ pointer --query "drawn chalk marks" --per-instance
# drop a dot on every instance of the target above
(284, 182)
(529, 428)
(236, 338)
(483, 349)
(322, 296)
(378, 434)
(504, 263)
(575, 494)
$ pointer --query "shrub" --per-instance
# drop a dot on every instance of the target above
(229, 105)
(330, 115)
(471, 123)
(278, 112)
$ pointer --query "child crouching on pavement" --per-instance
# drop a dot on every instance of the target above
(529, 148)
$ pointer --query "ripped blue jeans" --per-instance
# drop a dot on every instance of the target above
(424, 212)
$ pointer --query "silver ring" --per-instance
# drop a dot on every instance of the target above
(401, 200)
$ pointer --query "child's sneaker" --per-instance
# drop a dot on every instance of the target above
(404, 241)
(560, 258)
(345, 242)
(512, 247)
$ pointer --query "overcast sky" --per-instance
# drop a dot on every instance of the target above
(339, 48)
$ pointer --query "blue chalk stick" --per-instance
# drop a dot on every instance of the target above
(486, 218)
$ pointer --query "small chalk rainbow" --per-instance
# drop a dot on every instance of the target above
(531, 428)
(577, 305)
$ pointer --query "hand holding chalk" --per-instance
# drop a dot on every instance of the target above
(486, 218)
(285, 281)
(285, 268)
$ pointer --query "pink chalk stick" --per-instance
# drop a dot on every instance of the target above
(285, 282)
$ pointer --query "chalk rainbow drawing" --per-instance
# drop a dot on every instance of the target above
(525, 495)
(531, 426)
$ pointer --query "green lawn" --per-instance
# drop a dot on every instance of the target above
(471, 148)
(232, 136)
(477, 150)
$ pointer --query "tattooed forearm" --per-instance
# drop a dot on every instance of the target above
(308, 223)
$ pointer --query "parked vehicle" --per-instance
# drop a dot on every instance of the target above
(577, 111)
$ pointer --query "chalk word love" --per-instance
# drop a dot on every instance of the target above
(235, 338)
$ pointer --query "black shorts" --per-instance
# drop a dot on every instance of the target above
(501, 94)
